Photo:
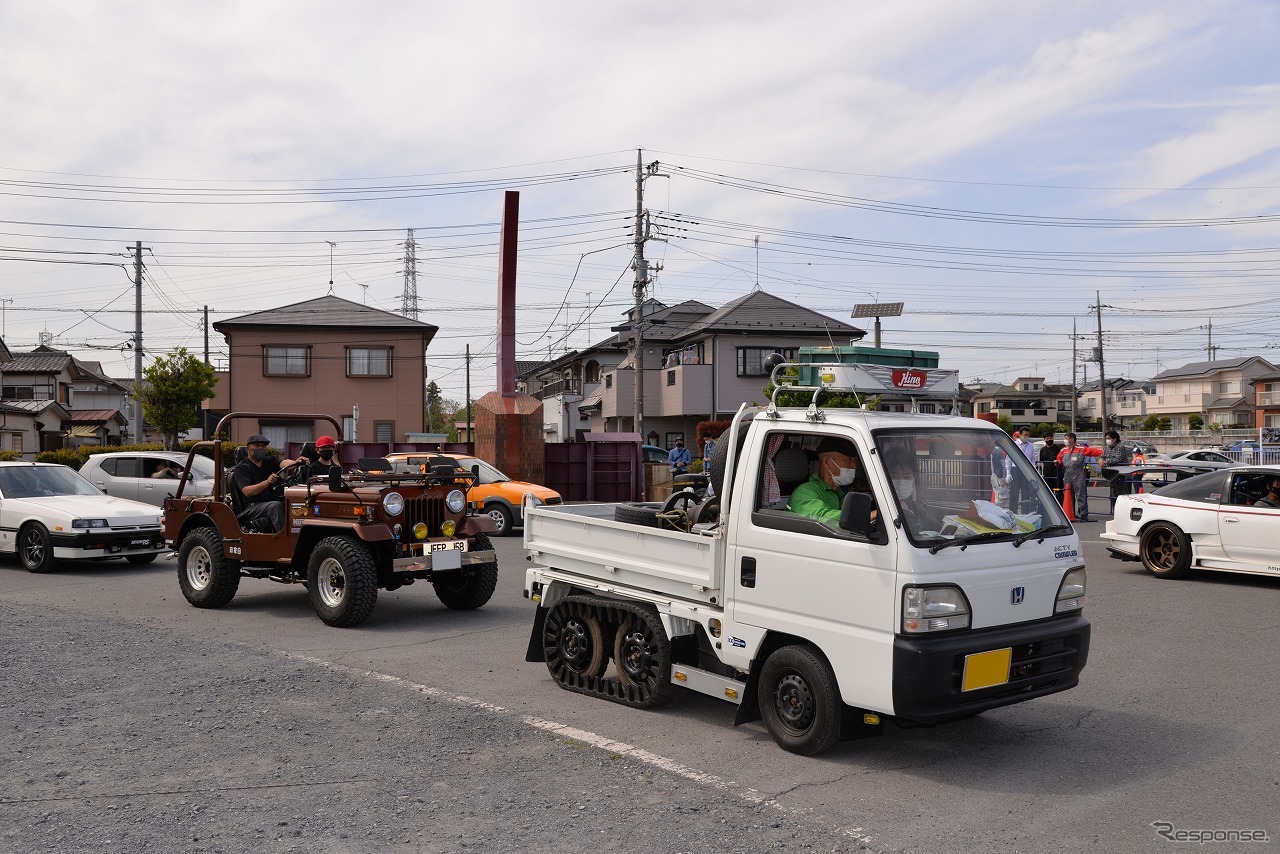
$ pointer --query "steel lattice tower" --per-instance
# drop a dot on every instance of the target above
(409, 299)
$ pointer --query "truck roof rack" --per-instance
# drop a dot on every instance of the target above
(860, 380)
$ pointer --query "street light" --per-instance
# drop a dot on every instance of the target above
(878, 310)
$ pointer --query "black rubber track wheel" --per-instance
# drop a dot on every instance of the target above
(574, 640)
(468, 589)
(642, 657)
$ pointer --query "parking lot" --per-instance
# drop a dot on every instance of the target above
(138, 723)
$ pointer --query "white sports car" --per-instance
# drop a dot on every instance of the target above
(49, 512)
(1210, 521)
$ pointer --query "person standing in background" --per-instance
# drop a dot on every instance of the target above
(1114, 455)
(1049, 465)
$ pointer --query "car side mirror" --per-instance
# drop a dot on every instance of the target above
(475, 472)
(335, 479)
(855, 513)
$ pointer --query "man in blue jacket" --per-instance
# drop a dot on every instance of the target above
(679, 458)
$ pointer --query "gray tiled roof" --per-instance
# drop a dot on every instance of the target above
(763, 312)
(36, 362)
(1198, 369)
(329, 311)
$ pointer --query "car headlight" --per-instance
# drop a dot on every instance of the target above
(1070, 592)
(533, 499)
(393, 503)
(88, 523)
(934, 609)
(455, 501)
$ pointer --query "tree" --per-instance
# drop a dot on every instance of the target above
(440, 411)
(171, 391)
(1195, 421)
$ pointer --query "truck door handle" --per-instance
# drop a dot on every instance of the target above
(748, 577)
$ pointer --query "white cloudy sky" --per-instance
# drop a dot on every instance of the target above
(990, 164)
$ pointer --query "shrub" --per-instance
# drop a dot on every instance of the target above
(64, 457)
(10, 456)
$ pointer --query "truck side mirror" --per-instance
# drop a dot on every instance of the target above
(335, 479)
(855, 513)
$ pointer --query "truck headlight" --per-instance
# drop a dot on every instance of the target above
(393, 503)
(934, 609)
(88, 523)
(455, 501)
(1070, 592)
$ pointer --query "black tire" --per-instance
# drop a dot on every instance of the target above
(501, 517)
(685, 500)
(34, 549)
(577, 641)
(799, 700)
(468, 589)
(720, 456)
(141, 559)
(207, 578)
(636, 514)
(707, 512)
(1165, 551)
(342, 582)
(642, 658)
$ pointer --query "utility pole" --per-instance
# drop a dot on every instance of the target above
(1102, 374)
(1075, 394)
(641, 267)
(206, 334)
(137, 339)
(470, 438)
(1212, 349)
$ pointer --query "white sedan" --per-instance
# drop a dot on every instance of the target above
(1210, 521)
(49, 512)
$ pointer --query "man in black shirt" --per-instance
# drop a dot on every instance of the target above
(254, 478)
(1049, 465)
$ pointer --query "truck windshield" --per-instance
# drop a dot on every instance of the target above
(953, 483)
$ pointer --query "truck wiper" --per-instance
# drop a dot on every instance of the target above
(1040, 533)
(963, 542)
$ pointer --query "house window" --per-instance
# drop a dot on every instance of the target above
(984, 406)
(671, 439)
(1226, 388)
(591, 372)
(751, 359)
(348, 428)
(384, 431)
(369, 361)
(671, 377)
(286, 361)
(928, 408)
(280, 433)
(608, 380)
(15, 443)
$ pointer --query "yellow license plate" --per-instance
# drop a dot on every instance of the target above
(984, 669)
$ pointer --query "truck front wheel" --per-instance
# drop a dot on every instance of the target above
(207, 578)
(799, 700)
(342, 581)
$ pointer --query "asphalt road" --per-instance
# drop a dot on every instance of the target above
(343, 735)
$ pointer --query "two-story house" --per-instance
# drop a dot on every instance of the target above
(53, 400)
(1027, 402)
(1221, 392)
(1126, 402)
(1266, 401)
(700, 363)
(361, 365)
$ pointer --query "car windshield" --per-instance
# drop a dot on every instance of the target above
(956, 483)
(488, 474)
(203, 467)
(39, 481)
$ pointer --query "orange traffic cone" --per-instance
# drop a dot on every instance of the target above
(1068, 503)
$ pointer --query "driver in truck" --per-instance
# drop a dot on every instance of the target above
(821, 495)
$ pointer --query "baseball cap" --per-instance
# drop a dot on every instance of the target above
(325, 442)
(257, 439)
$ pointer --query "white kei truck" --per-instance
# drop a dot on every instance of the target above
(917, 599)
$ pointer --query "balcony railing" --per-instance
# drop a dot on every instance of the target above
(569, 386)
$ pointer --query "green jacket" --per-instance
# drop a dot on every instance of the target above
(815, 499)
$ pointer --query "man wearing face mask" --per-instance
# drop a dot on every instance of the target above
(326, 457)
(254, 478)
(914, 514)
(821, 495)
(1116, 455)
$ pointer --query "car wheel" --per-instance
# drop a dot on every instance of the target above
(501, 517)
(469, 588)
(34, 548)
(342, 581)
(1165, 551)
(206, 577)
(799, 701)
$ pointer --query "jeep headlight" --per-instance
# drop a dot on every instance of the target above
(393, 503)
(1070, 592)
(934, 609)
(455, 501)
(88, 523)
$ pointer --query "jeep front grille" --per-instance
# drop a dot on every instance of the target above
(428, 509)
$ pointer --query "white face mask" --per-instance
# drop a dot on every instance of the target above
(844, 477)
(905, 487)
(1110, 443)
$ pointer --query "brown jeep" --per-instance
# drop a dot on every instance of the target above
(345, 536)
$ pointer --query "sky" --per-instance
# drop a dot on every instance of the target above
(1000, 168)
